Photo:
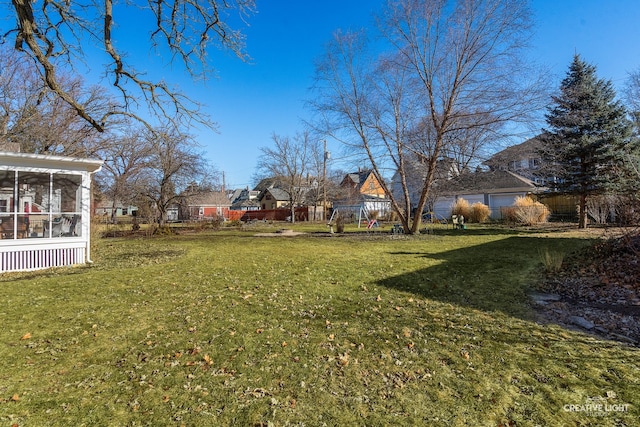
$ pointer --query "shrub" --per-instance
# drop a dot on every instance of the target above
(461, 207)
(552, 261)
(627, 209)
(164, 230)
(509, 213)
(529, 212)
(599, 208)
(479, 212)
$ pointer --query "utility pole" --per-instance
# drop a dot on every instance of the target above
(327, 155)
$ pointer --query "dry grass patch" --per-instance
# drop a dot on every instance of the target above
(527, 211)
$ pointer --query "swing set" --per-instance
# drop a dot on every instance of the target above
(352, 214)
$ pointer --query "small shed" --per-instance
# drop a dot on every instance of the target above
(44, 210)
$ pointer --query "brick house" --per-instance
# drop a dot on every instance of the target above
(208, 205)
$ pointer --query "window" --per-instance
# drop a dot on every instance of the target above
(534, 163)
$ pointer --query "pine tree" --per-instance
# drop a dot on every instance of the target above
(586, 136)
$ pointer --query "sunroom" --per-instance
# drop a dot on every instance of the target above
(44, 211)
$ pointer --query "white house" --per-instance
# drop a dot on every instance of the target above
(44, 210)
(106, 208)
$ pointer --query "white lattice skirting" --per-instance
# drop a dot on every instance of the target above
(38, 257)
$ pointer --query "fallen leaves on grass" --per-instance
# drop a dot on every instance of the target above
(343, 359)
(602, 285)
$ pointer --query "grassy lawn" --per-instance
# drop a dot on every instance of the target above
(224, 328)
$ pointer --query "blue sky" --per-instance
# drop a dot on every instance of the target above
(252, 101)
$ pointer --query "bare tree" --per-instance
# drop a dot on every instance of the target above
(317, 171)
(58, 36)
(452, 77)
(36, 120)
(291, 161)
(126, 160)
(174, 168)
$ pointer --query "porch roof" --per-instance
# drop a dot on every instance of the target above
(28, 160)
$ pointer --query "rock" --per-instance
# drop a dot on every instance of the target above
(544, 299)
(582, 322)
(624, 338)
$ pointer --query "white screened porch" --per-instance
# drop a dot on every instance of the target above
(44, 211)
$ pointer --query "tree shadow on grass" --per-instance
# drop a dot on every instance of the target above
(494, 276)
(504, 229)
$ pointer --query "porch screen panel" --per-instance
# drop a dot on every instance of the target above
(33, 204)
(67, 204)
(7, 203)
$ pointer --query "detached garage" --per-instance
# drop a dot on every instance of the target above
(44, 210)
(497, 189)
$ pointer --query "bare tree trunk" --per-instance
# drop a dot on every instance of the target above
(424, 195)
(582, 218)
(114, 216)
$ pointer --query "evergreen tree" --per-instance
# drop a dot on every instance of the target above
(587, 135)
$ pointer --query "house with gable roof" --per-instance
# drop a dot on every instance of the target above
(496, 188)
(523, 159)
(208, 205)
(363, 190)
(363, 183)
(279, 192)
(244, 200)
(273, 198)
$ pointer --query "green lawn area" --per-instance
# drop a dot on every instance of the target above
(225, 328)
